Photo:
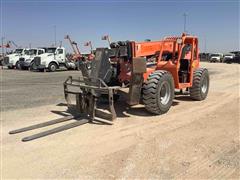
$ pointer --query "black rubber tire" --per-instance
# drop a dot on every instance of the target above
(10, 67)
(24, 68)
(18, 65)
(151, 92)
(32, 67)
(50, 67)
(200, 75)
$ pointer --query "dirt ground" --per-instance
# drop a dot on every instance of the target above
(194, 140)
(25, 89)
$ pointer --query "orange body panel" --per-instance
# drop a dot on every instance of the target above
(170, 67)
(173, 45)
(149, 71)
(150, 48)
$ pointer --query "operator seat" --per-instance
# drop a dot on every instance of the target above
(184, 65)
(183, 72)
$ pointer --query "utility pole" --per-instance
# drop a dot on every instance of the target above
(185, 22)
(30, 45)
(2, 46)
(205, 44)
(55, 35)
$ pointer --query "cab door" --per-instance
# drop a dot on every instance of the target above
(188, 61)
(195, 59)
(184, 68)
(60, 56)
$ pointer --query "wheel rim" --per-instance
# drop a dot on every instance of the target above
(204, 85)
(18, 65)
(33, 66)
(53, 68)
(165, 93)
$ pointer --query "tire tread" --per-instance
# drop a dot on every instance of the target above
(150, 91)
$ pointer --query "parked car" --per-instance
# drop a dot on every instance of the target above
(204, 56)
(217, 57)
(228, 57)
(234, 59)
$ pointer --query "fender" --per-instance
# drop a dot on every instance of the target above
(53, 61)
(50, 59)
(13, 59)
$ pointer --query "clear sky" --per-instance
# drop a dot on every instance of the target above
(214, 22)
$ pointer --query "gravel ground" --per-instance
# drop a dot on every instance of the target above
(194, 140)
(24, 89)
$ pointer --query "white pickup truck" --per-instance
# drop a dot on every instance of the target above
(26, 61)
(12, 60)
(54, 58)
(217, 57)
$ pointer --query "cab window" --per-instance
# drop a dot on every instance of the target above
(186, 52)
(26, 52)
(60, 51)
(40, 52)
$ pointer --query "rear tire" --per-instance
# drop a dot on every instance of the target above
(158, 92)
(52, 67)
(32, 67)
(18, 65)
(200, 87)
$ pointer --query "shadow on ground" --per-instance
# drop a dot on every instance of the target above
(122, 108)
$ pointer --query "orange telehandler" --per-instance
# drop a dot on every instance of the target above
(150, 70)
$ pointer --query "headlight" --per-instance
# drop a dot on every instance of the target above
(43, 63)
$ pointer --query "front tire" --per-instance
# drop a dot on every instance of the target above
(33, 67)
(52, 67)
(158, 92)
(200, 86)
